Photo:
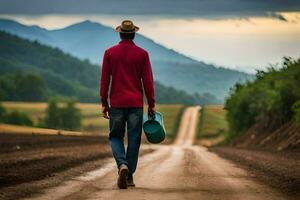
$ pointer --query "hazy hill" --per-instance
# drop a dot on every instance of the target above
(34, 72)
(88, 40)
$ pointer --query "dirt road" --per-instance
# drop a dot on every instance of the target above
(179, 171)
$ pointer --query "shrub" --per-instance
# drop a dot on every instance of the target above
(70, 116)
(53, 119)
(296, 110)
(18, 118)
(67, 117)
(2, 113)
(270, 97)
(15, 117)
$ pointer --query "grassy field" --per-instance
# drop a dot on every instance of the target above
(92, 121)
(212, 124)
(172, 115)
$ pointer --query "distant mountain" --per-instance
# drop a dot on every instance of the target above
(88, 40)
(30, 71)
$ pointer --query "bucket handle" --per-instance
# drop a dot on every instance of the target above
(152, 117)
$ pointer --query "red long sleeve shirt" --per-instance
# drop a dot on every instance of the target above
(128, 68)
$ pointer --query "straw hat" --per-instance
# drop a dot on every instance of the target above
(127, 26)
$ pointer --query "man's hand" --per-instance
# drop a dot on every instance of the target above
(151, 111)
(105, 112)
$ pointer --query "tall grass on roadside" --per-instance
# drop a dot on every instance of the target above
(200, 126)
(174, 131)
(212, 125)
(172, 115)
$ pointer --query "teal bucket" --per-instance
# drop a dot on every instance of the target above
(154, 128)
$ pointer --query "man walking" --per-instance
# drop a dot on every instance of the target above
(127, 67)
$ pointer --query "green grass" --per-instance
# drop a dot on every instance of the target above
(172, 116)
(92, 121)
(201, 122)
(91, 118)
(212, 122)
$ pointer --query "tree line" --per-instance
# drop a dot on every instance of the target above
(31, 71)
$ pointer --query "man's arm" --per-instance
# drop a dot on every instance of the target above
(104, 84)
(148, 83)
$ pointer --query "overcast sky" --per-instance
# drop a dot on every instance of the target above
(193, 7)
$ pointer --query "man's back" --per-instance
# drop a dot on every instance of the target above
(127, 65)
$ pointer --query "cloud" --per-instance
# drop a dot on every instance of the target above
(172, 7)
(277, 16)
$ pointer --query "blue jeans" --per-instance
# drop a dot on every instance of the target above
(119, 117)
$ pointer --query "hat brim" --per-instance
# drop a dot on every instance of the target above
(136, 29)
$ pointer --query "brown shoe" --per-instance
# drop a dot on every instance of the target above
(130, 182)
(122, 179)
